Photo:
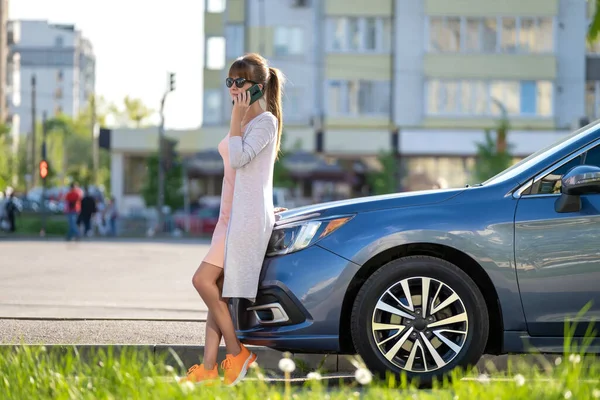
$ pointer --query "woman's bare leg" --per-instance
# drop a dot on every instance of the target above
(212, 338)
(205, 281)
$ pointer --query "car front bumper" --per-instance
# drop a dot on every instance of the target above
(299, 302)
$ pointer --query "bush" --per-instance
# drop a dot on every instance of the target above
(31, 223)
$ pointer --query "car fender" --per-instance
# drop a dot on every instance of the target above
(488, 239)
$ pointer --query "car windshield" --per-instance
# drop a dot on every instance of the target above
(526, 163)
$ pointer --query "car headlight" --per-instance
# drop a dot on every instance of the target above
(299, 235)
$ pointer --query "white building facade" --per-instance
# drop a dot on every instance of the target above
(62, 63)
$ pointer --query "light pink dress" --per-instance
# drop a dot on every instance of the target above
(216, 253)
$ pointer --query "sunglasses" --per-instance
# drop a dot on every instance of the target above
(239, 82)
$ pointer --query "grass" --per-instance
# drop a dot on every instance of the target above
(32, 372)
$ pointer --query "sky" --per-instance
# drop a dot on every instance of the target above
(136, 44)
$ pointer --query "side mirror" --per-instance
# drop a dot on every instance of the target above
(580, 180)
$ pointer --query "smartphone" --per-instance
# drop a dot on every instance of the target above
(255, 93)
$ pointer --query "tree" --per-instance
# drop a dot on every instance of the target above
(493, 156)
(173, 184)
(384, 181)
(134, 112)
(281, 176)
(6, 158)
(594, 28)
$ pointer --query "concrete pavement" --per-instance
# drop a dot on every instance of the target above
(130, 279)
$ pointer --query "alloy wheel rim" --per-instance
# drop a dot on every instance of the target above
(415, 335)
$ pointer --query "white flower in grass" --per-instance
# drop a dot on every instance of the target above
(558, 361)
(456, 397)
(43, 349)
(254, 365)
(568, 394)
(150, 381)
(287, 365)
(575, 358)
(363, 376)
(188, 387)
(32, 380)
(314, 376)
(356, 394)
(169, 368)
(519, 380)
(483, 378)
(596, 393)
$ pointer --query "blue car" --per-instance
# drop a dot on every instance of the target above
(425, 282)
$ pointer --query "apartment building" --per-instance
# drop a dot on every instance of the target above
(437, 71)
(63, 64)
(422, 79)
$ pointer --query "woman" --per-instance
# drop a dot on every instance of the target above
(232, 266)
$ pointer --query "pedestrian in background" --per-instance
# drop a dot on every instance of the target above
(72, 208)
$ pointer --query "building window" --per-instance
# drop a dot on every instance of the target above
(444, 34)
(359, 34)
(135, 171)
(507, 35)
(59, 41)
(60, 75)
(215, 52)
(234, 40)
(358, 97)
(215, 6)
(288, 41)
(487, 98)
(212, 106)
(293, 105)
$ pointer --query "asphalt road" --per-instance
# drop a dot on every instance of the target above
(128, 279)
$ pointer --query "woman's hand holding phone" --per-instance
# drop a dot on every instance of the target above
(241, 103)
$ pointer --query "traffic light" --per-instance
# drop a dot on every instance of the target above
(43, 169)
(171, 81)
(169, 154)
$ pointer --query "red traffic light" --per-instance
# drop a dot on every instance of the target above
(43, 169)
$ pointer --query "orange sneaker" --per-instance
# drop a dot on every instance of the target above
(197, 374)
(236, 367)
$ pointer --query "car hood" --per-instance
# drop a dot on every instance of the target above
(371, 203)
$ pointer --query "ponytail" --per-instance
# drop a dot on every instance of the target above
(274, 105)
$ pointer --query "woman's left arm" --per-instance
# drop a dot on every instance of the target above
(242, 150)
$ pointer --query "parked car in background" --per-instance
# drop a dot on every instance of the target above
(424, 282)
(202, 221)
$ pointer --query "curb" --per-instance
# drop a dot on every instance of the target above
(268, 359)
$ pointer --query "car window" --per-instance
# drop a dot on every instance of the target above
(550, 184)
(592, 157)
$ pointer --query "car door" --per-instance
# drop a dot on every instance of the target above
(558, 254)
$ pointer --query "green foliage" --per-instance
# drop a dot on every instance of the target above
(6, 159)
(384, 181)
(594, 27)
(281, 176)
(68, 147)
(493, 155)
(31, 224)
(173, 185)
(133, 112)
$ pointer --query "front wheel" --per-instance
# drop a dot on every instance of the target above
(420, 315)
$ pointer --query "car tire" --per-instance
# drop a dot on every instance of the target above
(380, 349)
